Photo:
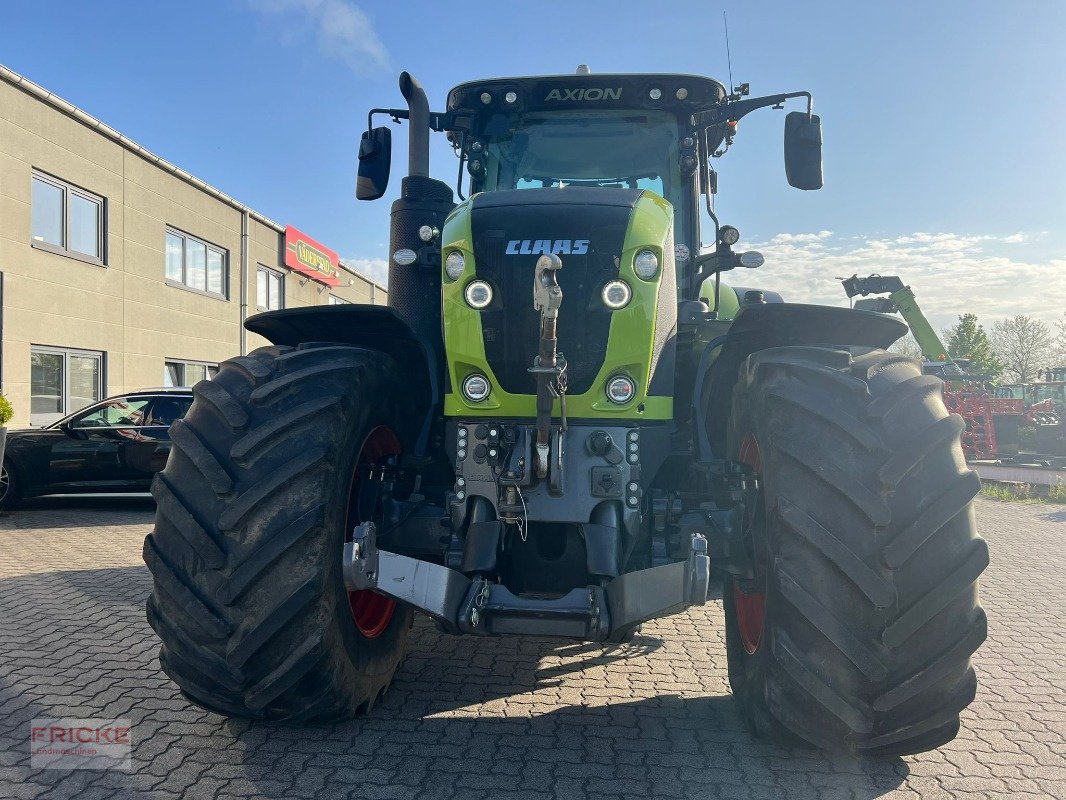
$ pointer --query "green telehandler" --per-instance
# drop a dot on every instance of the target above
(561, 423)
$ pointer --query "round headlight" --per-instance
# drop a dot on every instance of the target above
(616, 294)
(510, 97)
(646, 264)
(752, 259)
(486, 98)
(729, 235)
(620, 389)
(655, 94)
(425, 233)
(454, 264)
(476, 388)
(478, 294)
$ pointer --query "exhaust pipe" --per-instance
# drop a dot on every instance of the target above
(418, 125)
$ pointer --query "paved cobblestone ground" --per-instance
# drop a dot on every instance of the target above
(473, 719)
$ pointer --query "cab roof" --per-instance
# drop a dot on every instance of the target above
(654, 91)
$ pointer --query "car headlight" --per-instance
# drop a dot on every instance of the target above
(646, 265)
(454, 264)
(478, 294)
(616, 294)
(476, 388)
(621, 389)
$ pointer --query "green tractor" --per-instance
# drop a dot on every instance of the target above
(561, 424)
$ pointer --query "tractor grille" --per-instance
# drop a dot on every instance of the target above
(511, 326)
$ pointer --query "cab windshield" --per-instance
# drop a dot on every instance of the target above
(610, 149)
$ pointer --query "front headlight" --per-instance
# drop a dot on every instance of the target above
(454, 264)
(478, 294)
(646, 265)
(729, 235)
(620, 389)
(616, 294)
(476, 388)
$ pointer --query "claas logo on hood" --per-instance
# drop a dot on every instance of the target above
(560, 247)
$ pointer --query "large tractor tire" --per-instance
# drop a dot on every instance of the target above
(857, 631)
(270, 471)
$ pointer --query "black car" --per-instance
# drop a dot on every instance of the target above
(116, 445)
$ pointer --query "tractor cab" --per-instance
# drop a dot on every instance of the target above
(652, 132)
(604, 131)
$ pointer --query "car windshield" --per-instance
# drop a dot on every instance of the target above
(118, 411)
(610, 149)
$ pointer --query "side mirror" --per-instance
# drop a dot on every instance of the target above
(803, 150)
(71, 431)
(375, 162)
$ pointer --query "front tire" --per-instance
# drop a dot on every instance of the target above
(857, 631)
(253, 508)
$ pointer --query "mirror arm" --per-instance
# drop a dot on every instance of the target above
(439, 121)
(731, 112)
(396, 113)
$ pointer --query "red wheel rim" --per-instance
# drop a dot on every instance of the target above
(750, 606)
(371, 611)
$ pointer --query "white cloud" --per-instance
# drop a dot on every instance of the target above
(808, 238)
(376, 269)
(951, 274)
(340, 28)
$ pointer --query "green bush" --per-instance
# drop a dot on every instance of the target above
(1010, 492)
(1027, 437)
(6, 411)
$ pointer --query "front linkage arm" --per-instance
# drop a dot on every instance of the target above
(479, 607)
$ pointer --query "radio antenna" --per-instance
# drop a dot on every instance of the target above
(728, 57)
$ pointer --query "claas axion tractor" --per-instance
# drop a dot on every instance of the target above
(562, 425)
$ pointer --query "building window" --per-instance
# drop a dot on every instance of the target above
(187, 373)
(338, 301)
(195, 264)
(269, 289)
(63, 381)
(67, 219)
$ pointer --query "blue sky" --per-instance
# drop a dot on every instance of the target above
(943, 121)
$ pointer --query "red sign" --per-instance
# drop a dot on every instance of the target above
(305, 255)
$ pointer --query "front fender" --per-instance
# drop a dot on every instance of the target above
(758, 327)
(373, 327)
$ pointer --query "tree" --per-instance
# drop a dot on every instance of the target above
(1024, 345)
(907, 346)
(1060, 342)
(967, 339)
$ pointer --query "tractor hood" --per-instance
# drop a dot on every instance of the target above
(596, 232)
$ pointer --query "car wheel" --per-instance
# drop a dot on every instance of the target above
(9, 489)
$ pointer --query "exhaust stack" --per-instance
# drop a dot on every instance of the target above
(418, 125)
